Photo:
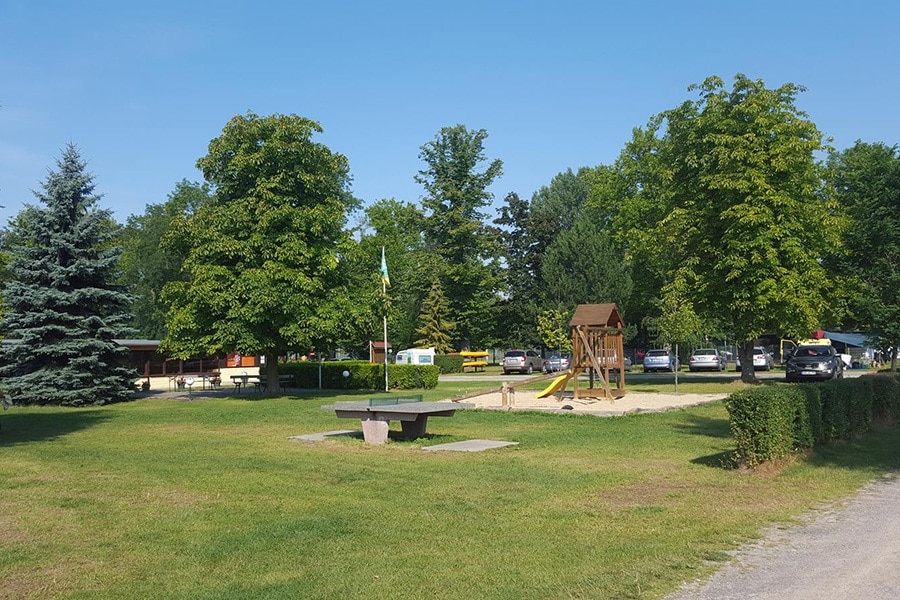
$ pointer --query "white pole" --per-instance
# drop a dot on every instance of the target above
(386, 386)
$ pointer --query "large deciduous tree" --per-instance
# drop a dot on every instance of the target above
(528, 229)
(456, 181)
(727, 200)
(866, 179)
(146, 264)
(264, 269)
(397, 226)
(583, 265)
(63, 309)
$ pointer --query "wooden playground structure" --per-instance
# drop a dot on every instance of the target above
(597, 347)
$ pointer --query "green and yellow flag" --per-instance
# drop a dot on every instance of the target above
(384, 274)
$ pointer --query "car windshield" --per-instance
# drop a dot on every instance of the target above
(813, 351)
(704, 351)
(658, 353)
(758, 351)
(515, 353)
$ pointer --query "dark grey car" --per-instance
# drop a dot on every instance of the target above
(813, 363)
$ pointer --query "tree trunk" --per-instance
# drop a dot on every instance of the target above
(272, 386)
(745, 351)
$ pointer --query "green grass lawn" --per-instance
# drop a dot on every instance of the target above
(163, 498)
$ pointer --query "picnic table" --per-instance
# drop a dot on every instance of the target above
(376, 415)
(260, 382)
(240, 380)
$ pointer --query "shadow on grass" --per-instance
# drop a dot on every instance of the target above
(875, 450)
(23, 427)
(704, 426)
(719, 460)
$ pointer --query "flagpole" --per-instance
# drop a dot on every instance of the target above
(386, 387)
(384, 279)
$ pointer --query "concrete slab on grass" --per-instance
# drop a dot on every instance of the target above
(470, 446)
(319, 437)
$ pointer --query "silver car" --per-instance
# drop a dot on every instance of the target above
(707, 358)
(557, 363)
(521, 361)
(660, 360)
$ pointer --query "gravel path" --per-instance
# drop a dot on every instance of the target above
(851, 552)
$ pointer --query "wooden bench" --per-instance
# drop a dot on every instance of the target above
(377, 413)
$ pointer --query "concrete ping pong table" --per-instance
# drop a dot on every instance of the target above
(376, 415)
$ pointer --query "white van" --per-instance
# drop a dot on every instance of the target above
(415, 356)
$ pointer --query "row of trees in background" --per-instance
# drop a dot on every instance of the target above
(716, 219)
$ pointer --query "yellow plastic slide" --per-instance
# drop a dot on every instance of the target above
(555, 386)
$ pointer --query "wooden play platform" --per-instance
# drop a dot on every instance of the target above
(597, 347)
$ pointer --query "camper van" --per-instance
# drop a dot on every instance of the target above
(415, 356)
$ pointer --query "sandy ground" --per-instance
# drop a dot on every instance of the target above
(632, 402)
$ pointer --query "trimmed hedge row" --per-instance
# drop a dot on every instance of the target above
(362, 375)
(776, 420)
(449, 363)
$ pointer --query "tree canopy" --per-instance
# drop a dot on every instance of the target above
(263, 270)
(866, 179)
(726, 198)
(146, 264)
(456, 182)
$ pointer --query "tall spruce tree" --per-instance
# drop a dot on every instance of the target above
(62, 309)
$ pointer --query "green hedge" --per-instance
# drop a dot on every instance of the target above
(362, 375)
(775, 420)
(449, 363)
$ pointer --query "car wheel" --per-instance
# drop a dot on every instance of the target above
(530, 370)
(505, 372)
(691, 369)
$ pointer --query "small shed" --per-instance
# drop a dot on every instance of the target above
(377, 352)
(598, 348)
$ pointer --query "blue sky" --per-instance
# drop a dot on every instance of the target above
(142, 88)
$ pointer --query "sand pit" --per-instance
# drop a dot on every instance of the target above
(632, 402)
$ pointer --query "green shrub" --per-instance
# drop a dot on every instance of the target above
(809, 427)
(409, 377)
(835, 411)
(774, 420)
(762, 421)
(449, 363)
(885, 396)
(361, 375)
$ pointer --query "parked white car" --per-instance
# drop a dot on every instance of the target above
(762, 360)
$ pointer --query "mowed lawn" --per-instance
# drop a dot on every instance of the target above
(168, 498)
